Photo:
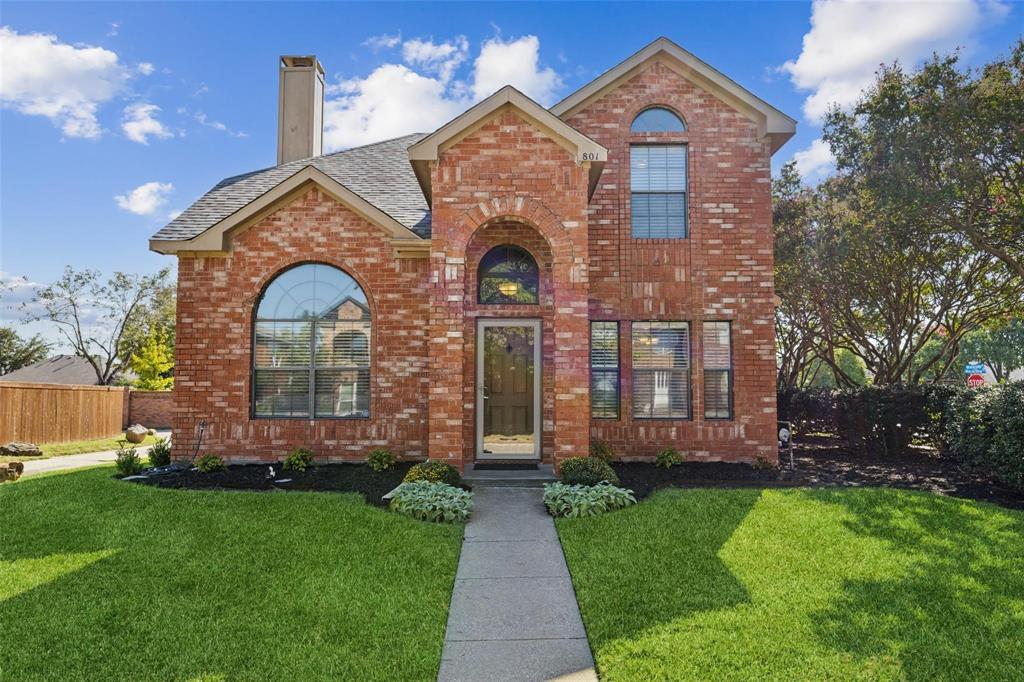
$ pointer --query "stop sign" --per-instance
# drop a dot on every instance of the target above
(975, 380)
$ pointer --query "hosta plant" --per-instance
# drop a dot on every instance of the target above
(585, 500)
(427, 501)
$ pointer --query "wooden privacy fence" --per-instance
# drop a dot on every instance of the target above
(56, 413)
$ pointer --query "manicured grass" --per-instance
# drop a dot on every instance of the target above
(77, 447)
(106, 580)
(802, 584)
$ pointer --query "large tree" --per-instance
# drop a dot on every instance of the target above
(96, 317)
(17, 352)
(1000, 346)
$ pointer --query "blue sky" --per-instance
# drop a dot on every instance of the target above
(116, 115)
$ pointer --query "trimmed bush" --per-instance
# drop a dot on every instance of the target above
(881, 418)
(985, 429)
(128, 461)
(668, 458)
(298, 459)
(585, 500)
(587, 471)
(808, 410)
(602, 450)
(437, 502)
(433, 471)
(210, 463)
(160, 453)
(380, 459)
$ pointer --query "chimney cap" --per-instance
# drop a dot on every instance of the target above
(296, 61)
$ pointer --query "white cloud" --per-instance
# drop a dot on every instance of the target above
(40, 76)
(516, 63)
(115, 28)
(140, 122)
(145, 199)
(848, 41)
(16, 294)
(383, 41)
(424, 93)
(815, 161)
(145, 68)
(173, 214)
(217, 125)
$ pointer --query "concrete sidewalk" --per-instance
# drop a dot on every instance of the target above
(85, 459)
(513, 613)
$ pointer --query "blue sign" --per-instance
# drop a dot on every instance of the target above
(974, 368)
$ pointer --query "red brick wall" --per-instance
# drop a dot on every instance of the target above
(216, 299)
(722, 272)
(152, 409)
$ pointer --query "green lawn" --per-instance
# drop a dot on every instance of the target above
(79, 446)
(106, 580)
(802, 584)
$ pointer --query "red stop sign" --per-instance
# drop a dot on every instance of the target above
(975, 381)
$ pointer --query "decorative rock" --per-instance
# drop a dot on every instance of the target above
(151, 432)
(20, 450)
(11, 471)
(135, 433)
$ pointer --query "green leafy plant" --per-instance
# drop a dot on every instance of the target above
(585, 500)
(603, 450)
(426, 501)
(668, 458)
(160, 453)
(298, 459)
(380, 459)
(434, 472)
(587, 471)
(128, 461)
(210, 463)
(762, 463)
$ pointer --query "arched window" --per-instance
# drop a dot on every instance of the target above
(657, 120)
(508, 274)
(311, 354)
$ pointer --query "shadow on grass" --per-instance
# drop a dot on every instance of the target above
(678, 536)
(957, 611)
(140, 583)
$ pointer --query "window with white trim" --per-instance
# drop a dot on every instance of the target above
(717, 356)
(661, 370)
(658, 191)
(604, 370)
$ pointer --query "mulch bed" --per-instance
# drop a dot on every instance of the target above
(824, 462)
(346, 478)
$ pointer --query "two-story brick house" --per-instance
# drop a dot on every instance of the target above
(509, 286)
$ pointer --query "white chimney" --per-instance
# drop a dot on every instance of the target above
(300, 109)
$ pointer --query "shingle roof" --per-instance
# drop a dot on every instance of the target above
(60, 369)
(379, 173)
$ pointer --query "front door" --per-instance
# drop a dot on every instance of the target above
(508, 389)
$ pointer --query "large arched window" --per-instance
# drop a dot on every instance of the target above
(508, 274)
(657, 120)
(311, 354)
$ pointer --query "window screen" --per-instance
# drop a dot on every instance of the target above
(604, 370)
(311, 351)
(658, 191)
(661, 370)
(717, 370)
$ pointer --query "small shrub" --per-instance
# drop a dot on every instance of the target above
(160, 453)
(585, 500)
(298, 459)
(587, 471)
(602, 450)
(427, 501)
(668, 458)
(128, 461)
(210, 463)
(433, 471)
(380, 459)
(762, 463)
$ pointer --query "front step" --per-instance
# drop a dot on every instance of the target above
(518, 478)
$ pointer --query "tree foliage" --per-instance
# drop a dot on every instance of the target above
(153, 363)
(17, 352)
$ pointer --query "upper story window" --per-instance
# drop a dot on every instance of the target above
(311, 353)
(508, 275)
(657, 120)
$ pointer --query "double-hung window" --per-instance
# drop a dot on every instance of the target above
(661, 370)
(604, 370)
(717, 370)
(658, 191)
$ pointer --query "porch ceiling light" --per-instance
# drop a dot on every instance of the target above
(509, 288)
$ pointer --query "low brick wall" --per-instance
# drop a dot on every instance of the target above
(152, 409)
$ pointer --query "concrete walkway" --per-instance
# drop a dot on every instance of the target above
(86, 459)
(513, 612)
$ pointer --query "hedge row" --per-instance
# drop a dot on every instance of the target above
(982, 427)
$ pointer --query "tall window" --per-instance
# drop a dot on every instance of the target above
(508, 274)
(312, 346)
(661, 370)
(658, 191)
(604, 370)
(717, 370)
